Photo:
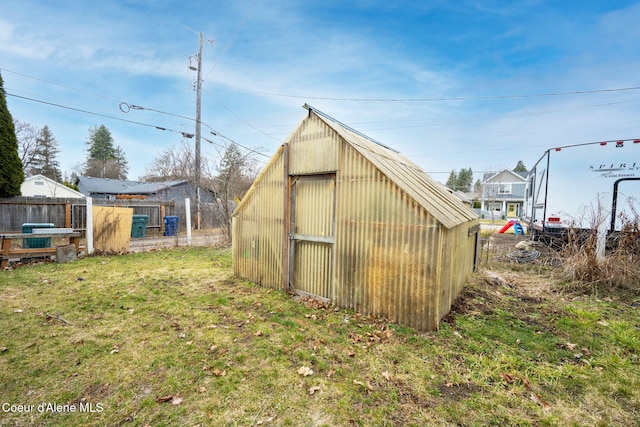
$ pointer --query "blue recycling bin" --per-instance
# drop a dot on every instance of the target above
(40, 242)
(171, 225)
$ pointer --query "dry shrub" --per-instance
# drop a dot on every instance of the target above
(620, 267)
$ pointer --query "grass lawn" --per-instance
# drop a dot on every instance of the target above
(169, 338)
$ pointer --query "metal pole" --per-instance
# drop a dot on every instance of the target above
(198, 134)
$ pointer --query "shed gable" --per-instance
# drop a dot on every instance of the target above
(313, 148)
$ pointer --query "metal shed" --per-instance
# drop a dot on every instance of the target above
(338, 216)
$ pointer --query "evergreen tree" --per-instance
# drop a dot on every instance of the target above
(11, 173)
(451, 181)
(520, 167)
(45, 161)
(104, 159)
(464, 180)
(460, 181)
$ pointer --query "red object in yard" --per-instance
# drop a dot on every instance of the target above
(506, 227)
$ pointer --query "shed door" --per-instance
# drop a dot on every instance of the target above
(312, 234)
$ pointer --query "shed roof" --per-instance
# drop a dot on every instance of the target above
(433, 196)
(90, 185)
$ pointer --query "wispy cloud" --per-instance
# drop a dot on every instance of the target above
(270, 57)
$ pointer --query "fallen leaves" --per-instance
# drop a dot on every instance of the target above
(305, 371)
(173, 398)
(315, 303)
(511, 379)
(536, 398)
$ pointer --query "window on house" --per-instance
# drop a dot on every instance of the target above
(505, 189)
(38, 183)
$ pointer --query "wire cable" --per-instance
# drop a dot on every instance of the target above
(458, 98)
(184, 134)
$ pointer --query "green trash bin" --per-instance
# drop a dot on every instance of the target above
(40, 242)
(139, 226)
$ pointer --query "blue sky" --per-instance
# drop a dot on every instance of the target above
(471, 83)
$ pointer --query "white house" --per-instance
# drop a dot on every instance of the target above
(41, 186)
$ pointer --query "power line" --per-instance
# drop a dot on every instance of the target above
(459, 98)
(184, 134)
(125, 107)
(212, 130)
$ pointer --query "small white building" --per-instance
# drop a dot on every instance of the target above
(41, 186)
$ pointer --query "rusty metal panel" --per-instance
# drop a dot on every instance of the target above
(313, 148)
(258, 223)
(312, 234)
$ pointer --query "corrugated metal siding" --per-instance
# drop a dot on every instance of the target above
(313, 148)
(258, 228)
(401, 250)
(388, 247)
(459, 259)
(313, 217)
(446, 207)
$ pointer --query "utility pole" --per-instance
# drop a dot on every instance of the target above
(198, 134)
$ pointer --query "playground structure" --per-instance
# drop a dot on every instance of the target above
(517, 228)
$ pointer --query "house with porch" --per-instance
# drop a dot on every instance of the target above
(503, 193)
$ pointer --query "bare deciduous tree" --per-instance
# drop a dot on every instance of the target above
(27, 144)
(236, 172)
(175, 163)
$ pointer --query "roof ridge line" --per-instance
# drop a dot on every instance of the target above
(347, 127)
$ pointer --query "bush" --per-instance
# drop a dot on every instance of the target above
(618, 269)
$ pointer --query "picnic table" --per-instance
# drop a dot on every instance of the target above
(11, 253)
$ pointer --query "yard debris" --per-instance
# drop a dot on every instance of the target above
(18, 311)
(510, 379)
(496, 279)
(313, 389)
(174, 399)
(523, 255)
(51, 316)
(315, 303)
(536, 398)
(305, 371)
